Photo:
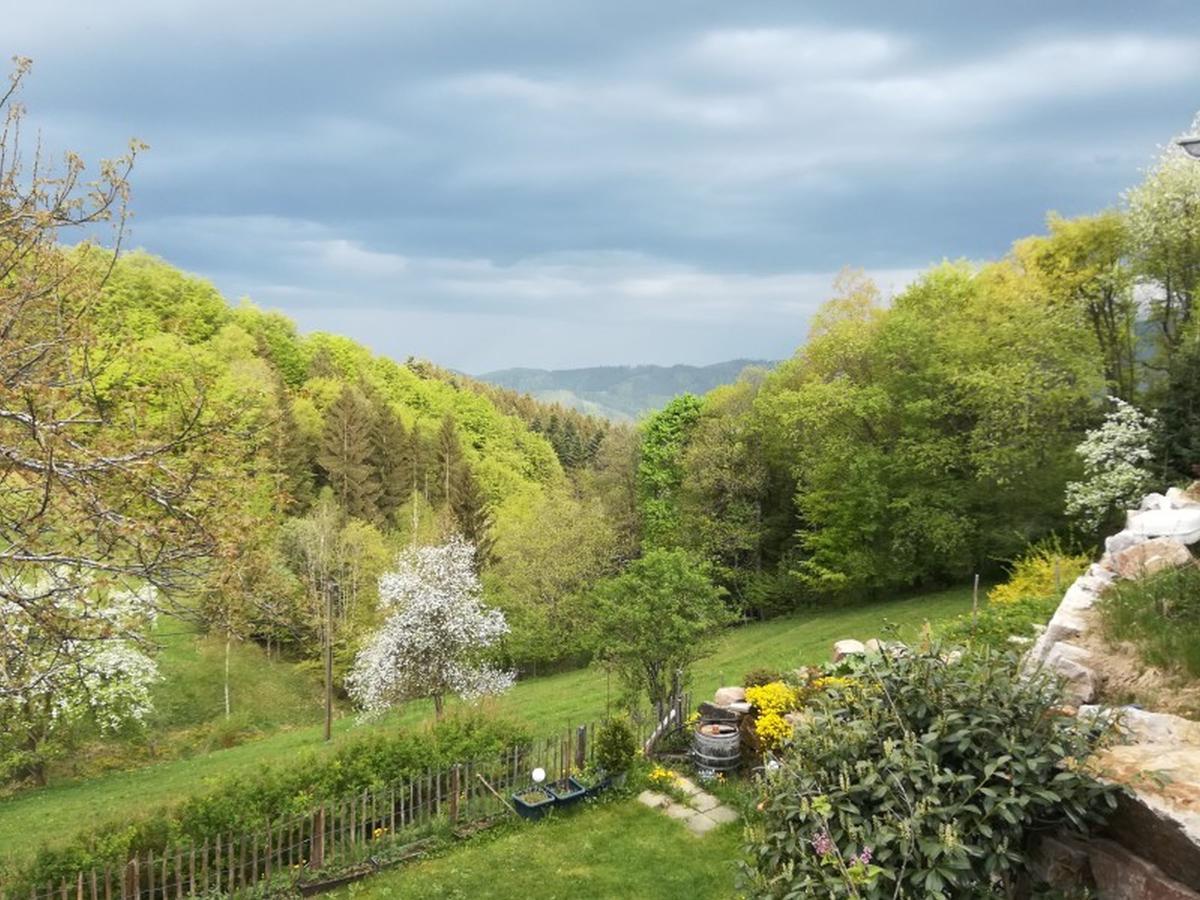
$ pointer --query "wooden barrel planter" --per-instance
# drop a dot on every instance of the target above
(717, 746)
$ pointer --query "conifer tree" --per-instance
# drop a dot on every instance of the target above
(394, 453)
(346, 454)
(290, 456)
(472, 513)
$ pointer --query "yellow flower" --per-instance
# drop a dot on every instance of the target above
(773, 729)
(776, 698)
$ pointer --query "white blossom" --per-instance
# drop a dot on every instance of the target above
(77, 660)
(436, 633)
(1115, 459)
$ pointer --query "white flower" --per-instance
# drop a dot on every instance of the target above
(1115, 457)
(433, 639)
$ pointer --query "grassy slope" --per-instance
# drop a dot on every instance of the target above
(616, 850)
(546, 703)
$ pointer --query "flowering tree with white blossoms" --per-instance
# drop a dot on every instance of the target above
(51, 682)
(436, 634)
(1115, 459)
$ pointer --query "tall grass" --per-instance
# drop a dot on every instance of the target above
(1160, 614)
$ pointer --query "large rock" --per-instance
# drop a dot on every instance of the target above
(1073, 663)
(727, 695)
(842, 649)
(1158, 815)
(1122, 540)
(710, 712)
(1061, 861)
(1150, 557)
(1183, 524)
(1121, 875)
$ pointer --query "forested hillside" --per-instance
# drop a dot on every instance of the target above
(621, 393)
(933, 437)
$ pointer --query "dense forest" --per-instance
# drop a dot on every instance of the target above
(931, 437)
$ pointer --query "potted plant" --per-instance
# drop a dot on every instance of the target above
(615, 749)
(533, 802)
(567, 792)
(592, 779)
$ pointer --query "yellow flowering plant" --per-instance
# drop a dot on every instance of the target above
(776, 698)
(772, 729)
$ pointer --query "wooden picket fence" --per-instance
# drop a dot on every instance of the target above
(349, 832)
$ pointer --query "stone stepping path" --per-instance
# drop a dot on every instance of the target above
(701, 813)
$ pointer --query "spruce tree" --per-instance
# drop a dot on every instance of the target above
(290, 456)
(472, 513)
(465, 509)
(347, 454)
(394, 453)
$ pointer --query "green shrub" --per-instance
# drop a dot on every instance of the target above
(997, 622)
(759, 677)
(1161, 615)
(1044, 570)
(243, 805)
(615, 746)
(1036, 582)
(925, 779)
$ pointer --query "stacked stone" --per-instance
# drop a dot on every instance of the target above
(1156, 537)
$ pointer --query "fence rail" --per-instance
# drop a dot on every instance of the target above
(340, 834)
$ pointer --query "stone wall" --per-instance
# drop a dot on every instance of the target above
(1152, 845)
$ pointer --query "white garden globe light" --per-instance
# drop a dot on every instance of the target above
(1191, 145)
(538, 775)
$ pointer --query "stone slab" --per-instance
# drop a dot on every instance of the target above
(700, 824)
(722, 815)
(653, 799)
(704, 801)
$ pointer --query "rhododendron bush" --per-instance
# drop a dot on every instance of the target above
(437, 634)
(927, 780)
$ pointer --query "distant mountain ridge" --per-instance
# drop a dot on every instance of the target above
(622, 393)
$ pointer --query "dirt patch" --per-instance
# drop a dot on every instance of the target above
(1123, 678)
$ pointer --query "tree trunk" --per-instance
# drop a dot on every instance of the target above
(328, 663)
(438, 706)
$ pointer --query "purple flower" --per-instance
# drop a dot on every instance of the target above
(865, 857)
(821, 843)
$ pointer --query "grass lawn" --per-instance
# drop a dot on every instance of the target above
(613, 850)
(548, 704)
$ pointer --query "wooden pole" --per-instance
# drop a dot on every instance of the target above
(454, 779)
(975, 603)
(318, 847)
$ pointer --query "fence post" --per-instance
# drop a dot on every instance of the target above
(581, 740)
(318, 847)
(454, 782)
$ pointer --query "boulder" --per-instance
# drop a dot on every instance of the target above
(1182, 524)
(1121, 875)
(727, 695)
(741, 707)
(1115, 543)
(874, 645)
(842, 649)
(1072, 663)
(710, 712)
(1061, 861)
(1150, 557)
(1178, 499)
(1158, 814)
(1154, 501)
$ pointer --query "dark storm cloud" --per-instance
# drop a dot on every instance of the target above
(559, 183)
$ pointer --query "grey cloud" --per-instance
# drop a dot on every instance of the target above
(426, 170)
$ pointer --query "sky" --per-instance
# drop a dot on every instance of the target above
(556, 183)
